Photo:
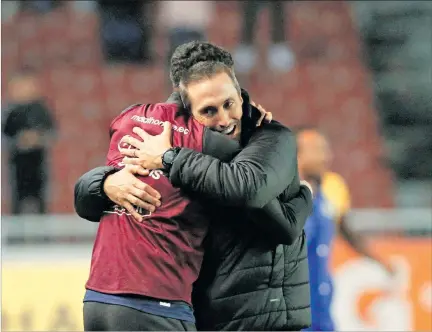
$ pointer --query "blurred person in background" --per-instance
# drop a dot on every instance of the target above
(280, 56)
(330, 210)
(319, 229)
(221, 303)
(185, 21)
(9, 9)
(40, 6)
(125, 30)
(28, 125)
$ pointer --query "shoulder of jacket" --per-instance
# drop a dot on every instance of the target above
(121, 116)
(127, 109)
(169, 107)
(277, 124)
(278, 128)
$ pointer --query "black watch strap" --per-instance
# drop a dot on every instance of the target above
(168, 158)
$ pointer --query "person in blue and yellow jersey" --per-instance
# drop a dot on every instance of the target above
(331, 206)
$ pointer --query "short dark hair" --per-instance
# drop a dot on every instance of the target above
(189, 54)
(201, 71)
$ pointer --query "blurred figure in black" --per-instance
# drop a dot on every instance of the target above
(39, 6)
(26, 125)
(185, 21)
(125, 30)
(280, 56)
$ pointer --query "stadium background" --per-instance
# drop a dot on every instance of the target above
(349, 57)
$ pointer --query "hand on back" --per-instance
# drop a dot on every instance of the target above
(126, 190)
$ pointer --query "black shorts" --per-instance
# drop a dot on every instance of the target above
(110, 317)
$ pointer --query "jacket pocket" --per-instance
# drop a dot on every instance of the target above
(277, 266)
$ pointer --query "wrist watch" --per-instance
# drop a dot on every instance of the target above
(168, 158)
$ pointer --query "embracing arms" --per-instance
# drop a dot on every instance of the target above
(265, 167)
(125, 189)
(253, 179)
(284, 217)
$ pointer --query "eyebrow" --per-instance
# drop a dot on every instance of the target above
(230, 98)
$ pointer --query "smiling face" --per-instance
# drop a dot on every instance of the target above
(216, 103)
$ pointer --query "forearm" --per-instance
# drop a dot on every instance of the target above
(284, 221)
(232, 184)
(258, 174)
(89, 198)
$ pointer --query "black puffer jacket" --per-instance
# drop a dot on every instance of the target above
(249, 283)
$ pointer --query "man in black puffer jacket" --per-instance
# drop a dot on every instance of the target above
(248, 281)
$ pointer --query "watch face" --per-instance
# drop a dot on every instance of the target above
(168, 156)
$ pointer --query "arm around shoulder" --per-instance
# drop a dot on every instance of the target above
(255, 176)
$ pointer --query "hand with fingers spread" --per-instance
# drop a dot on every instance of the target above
(126, 190)
(147, 153)
(267, 116)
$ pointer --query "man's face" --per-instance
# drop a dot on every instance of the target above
(314, 154)
(216, 103)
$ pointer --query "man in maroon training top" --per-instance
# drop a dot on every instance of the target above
(158, 258)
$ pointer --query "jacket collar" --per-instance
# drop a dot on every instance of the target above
(174, 98)
(249, 119)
